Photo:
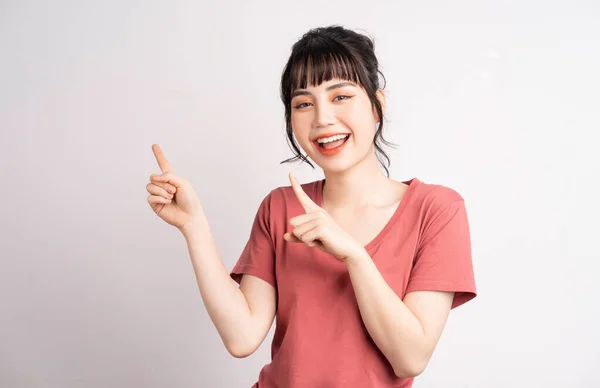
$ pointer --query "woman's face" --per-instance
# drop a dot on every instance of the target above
(334, 123)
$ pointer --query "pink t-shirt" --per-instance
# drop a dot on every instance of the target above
(320, 339)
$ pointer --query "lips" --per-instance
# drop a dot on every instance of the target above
(331, 151)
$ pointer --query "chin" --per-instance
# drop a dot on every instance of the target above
(337, 166)
(342, 164)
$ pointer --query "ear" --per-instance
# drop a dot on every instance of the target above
(382, 101)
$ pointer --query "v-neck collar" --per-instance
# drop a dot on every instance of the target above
(412, 185)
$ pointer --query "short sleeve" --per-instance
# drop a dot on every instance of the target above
(443, 259)
(258, 256)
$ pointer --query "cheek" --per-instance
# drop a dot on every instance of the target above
(358, 112)
(362, 125)
(301, 128)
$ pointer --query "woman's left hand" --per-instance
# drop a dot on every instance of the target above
(317, 228)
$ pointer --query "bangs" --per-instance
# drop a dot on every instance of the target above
(316, 64)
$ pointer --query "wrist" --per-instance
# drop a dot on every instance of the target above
(194, 226)
(358, 257)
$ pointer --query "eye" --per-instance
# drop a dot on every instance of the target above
(342, 97)
(302, 105)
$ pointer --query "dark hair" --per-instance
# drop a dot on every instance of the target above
(331, 52)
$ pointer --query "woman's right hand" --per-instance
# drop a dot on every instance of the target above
(171, 197)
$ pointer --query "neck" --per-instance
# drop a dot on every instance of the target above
(362, 185)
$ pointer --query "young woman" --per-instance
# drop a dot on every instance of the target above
(360, 271)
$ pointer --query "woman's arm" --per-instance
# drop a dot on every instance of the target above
(406, 331)
(242, 315)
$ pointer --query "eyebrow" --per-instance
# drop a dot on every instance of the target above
(304, 92)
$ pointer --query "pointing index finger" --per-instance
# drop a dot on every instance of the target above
(304, 199)
(163, 163)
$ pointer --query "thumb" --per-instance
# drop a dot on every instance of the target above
(168, 177)
(290, 237)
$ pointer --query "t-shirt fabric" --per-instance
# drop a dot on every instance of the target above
(320, 339)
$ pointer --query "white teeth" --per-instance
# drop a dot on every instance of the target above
(332, 138)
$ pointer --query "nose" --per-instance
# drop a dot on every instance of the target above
(324, 115)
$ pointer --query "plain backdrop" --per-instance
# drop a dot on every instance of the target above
(497, 100)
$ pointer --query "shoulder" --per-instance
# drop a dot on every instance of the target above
(433, 196)
(437, 204)
(439, 207)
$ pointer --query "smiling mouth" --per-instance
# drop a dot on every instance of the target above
(334, 143)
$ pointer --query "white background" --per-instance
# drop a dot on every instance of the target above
(498, 100)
